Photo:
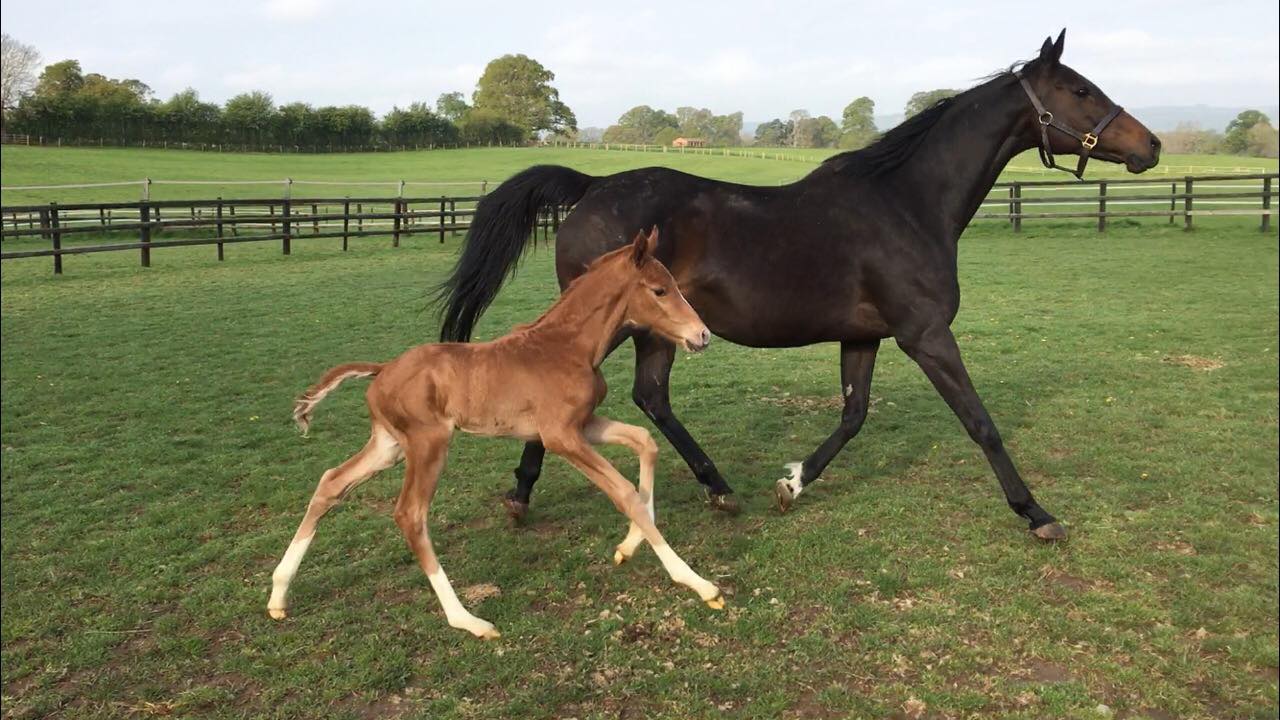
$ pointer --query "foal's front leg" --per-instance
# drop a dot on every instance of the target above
(573, 447)
(603, 430)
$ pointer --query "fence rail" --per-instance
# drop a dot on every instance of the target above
(286, 219)
(231, 221)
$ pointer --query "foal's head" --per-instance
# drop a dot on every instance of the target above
(651, 297)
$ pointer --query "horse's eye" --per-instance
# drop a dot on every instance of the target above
(659, 291)
(1082, 92)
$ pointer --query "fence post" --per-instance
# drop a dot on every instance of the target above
(285, 241)
(441, 223)
(44, 224)
(218, 217)
(359, 218)
(1173, 201)
(1266, 204)
(484, 186)
(395, 223)
(1017, 207)
(1011, 205)
(315, 219)
(1102, 206)
(1187, 204)
(346, 221)
(57, 238)
(453, 217)
(145, 233)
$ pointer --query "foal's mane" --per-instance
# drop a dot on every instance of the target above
(899, 143)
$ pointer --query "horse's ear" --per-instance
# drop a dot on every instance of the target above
(1051, 50)
(643, 246)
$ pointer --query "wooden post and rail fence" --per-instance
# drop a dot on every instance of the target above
(147, 224)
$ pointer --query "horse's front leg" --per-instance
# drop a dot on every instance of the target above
(651, 392)
(934, 349)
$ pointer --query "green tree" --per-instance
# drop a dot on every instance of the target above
(666, 136)
(452, 106)
(858, 124)
(417, 126)
(184, 117)
(517, 89)
(60, 79)
(774, 132)
(1236, 139)
(926, 99)
(1261, 140)
(249, 117)
(623, 135)
(485, 127)
(647, 123)
(817, 132)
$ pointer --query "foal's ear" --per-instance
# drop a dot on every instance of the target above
(644, 245)
(1051, 50)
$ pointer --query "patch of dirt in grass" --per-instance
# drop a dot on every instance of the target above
(1149, 714)
(1060, 453)
(1041, 671)
(1195, 362)
(1065, 581)
(476, 594)
(1177, 546)
(1268, 673)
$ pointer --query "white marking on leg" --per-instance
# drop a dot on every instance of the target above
(848, 390)
(683, 574)
(283, 575)
(793, 483)
(457, 615)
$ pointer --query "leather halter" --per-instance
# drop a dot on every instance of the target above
(1046, 120)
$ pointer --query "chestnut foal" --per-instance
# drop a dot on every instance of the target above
(540, 382)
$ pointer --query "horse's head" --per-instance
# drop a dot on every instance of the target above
(1077, 114)
(652, 298)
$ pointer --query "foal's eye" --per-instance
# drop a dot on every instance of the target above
(659, 291)
(1082, 92)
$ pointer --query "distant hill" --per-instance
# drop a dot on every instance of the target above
(1163, 117)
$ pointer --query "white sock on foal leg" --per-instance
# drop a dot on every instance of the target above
(283, 575)
(457, 615)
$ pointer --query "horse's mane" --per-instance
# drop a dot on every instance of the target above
(898, 144)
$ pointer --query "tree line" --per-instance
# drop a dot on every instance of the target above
(513, 102)
(1249, 133)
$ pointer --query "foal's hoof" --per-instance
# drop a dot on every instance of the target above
(491, 633)
(782, 491)
(726, 503)
(516, 510)
(277, 613)
(619, 558)
(1050, 532)
(715, 603)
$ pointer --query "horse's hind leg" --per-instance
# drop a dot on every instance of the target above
(424, 452)
(857, 360)
(380, 453)
(603, 430)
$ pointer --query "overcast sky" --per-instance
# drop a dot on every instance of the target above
(763, 58)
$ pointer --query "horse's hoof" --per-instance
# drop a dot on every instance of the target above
(1050, 532)
(782, 491)
(490, 634)
(716, 603)
(277, 613)
(516, 510)
(619, 558)
(726, 504)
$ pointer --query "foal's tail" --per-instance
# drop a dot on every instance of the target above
(502, 225)
(329, 382)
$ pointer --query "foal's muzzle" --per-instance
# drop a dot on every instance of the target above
(699, 342)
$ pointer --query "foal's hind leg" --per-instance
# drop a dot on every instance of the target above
(380, 453)
(603, 430)
(424, 452)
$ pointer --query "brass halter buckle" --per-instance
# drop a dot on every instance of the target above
(1089, 140)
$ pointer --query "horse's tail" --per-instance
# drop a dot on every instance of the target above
(327, 383)
(502, 225)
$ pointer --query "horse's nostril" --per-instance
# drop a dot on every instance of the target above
(1155, 143)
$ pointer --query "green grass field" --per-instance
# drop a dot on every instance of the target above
(152, 479)
(55, 166)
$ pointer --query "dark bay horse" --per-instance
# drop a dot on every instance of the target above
(861, 249)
